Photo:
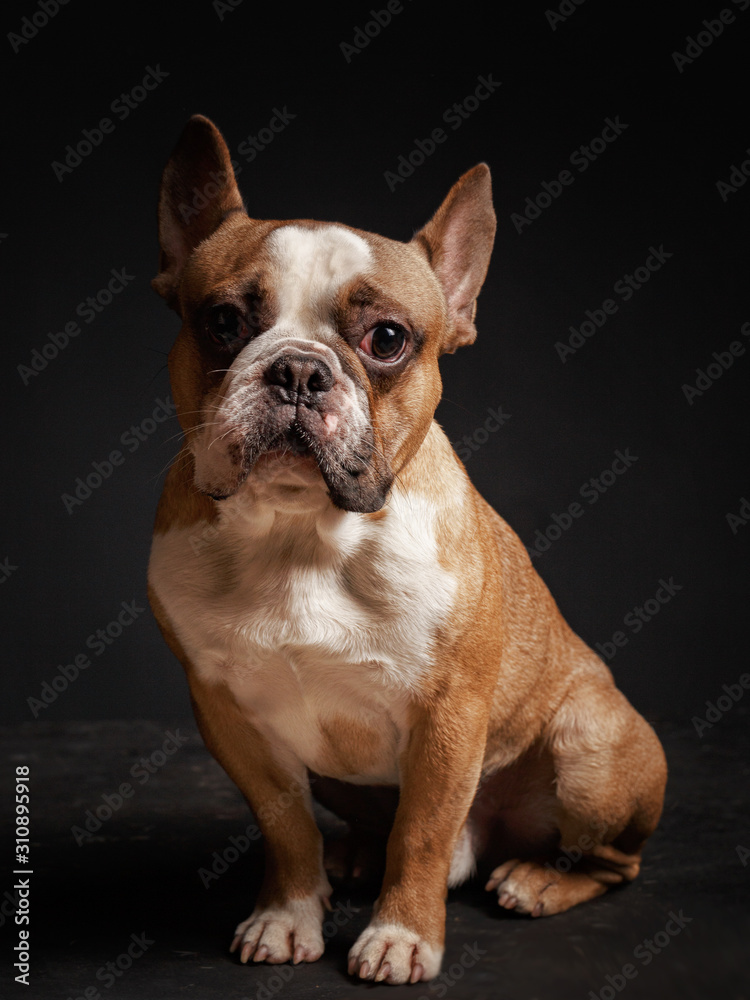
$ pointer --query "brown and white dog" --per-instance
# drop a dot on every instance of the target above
(344, 602)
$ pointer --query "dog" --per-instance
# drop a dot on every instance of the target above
(352, 616)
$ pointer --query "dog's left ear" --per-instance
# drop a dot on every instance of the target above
(458, 241)
(198, 191)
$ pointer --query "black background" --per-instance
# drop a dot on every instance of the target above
(665, 518)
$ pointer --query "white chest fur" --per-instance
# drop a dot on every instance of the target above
(322, 626)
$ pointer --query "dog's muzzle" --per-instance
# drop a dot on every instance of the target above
(298, 402)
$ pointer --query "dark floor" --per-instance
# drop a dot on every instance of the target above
(139, 875)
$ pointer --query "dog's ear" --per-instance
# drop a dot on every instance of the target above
(198, 191)
(458, 241)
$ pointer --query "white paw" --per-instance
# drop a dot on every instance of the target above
(282, 933)
(394, 954)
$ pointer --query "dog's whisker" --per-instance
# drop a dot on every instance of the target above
(179, 456)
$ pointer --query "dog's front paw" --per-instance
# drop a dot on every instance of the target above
(289, 931)
(393, 954)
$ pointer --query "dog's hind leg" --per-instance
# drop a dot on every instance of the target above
(609, 777)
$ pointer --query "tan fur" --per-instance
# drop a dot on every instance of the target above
(180, 504)
(351, 746)
(515, 734)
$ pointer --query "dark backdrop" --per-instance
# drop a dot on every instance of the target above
(351, 117)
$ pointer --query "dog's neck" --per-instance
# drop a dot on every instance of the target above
(299, 522)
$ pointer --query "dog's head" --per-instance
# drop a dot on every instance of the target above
(307, 362)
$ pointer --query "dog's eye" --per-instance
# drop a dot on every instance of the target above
(227, 328)
(386, 342)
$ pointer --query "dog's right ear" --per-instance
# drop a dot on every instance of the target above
(198, 191)
(458, 242)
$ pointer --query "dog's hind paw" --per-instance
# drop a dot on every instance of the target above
(541, 890)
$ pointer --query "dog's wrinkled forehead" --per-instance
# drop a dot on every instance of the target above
(311, 265)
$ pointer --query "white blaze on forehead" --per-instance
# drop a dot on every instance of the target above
(313, 264)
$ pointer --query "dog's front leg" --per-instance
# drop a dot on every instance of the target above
(286, 922)
(440, 771)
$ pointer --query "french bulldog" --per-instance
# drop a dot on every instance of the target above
(351, 614)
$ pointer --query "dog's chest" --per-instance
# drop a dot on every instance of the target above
(323, 641)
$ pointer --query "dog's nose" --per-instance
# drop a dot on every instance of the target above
(300, 374)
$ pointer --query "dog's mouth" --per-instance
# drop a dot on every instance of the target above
(289, 455)
(301, 457)
(298, 442)
(285, 458)
(292, 445)
(299, 452)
